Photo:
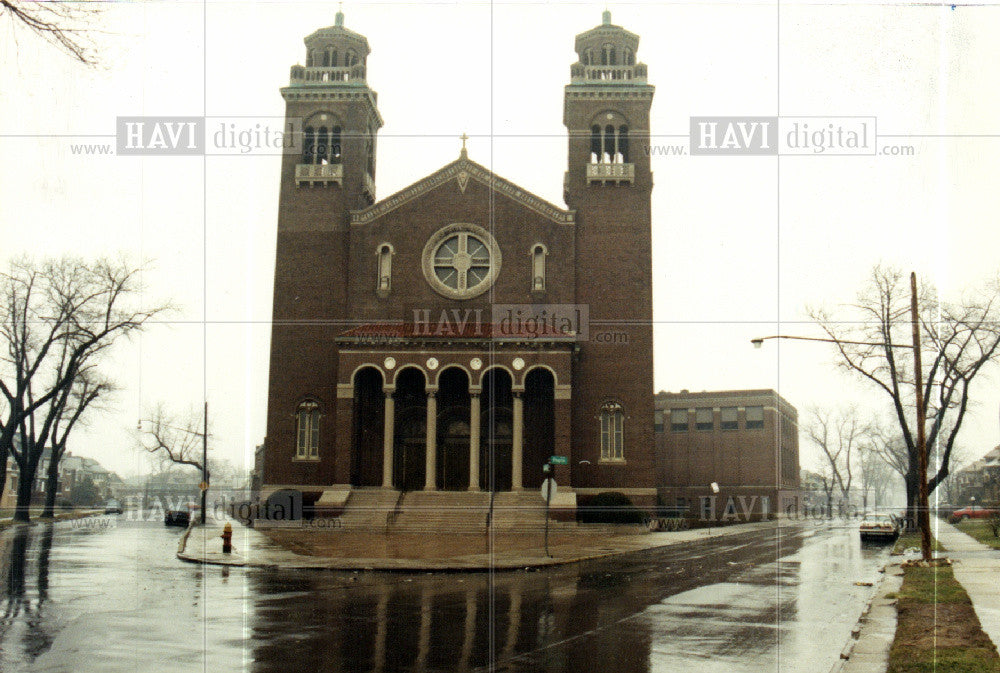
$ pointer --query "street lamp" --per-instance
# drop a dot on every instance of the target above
(923, 513)
(204, 456)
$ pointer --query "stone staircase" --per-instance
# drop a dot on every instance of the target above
(368, 510)
(521, 512)
(441, 511)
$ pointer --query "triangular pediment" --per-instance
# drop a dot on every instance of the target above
(461, 171)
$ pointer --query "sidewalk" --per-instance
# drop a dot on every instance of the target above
(977, 568)
(253, 549)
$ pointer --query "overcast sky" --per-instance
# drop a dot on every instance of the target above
(741, 244)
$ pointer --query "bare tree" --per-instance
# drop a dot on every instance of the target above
(67, 25)
(178, 439)
(838, 434)
(875, 475)
(56, 319)
(86, 389)
(958, 339)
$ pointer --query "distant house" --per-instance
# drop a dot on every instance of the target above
(9, 498)
(72, 471)
(980, 480)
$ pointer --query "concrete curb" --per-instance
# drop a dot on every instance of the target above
(868, 649)
(476, 563)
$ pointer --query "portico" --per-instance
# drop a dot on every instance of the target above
(452, 413)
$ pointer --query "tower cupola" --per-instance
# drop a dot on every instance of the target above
(607, 55)
(334, 55)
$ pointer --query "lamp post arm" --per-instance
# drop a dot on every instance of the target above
(760, 340)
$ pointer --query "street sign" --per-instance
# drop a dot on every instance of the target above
(559, 460)
(547, 485)
(203, 485)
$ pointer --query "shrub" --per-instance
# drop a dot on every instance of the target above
(610, 507)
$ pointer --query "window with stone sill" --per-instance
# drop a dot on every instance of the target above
(679, 420)
(612, 432)
(307, 431)
(703, 419)
(728, 419)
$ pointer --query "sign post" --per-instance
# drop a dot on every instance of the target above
(548, 490)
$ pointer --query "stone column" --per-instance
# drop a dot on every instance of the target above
(388, 439)
(474, 434)
(517, 442)
(430, 478)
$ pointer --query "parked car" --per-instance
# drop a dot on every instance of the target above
(879, 527)
(944, 510)
(971, 512)
(113, 507)
(181, 517)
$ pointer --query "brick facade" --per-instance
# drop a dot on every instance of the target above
(745, 456)
(332, 234)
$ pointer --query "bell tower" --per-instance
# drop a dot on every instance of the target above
(608, 183)
(329, 102)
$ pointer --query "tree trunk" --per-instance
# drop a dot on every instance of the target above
(4, 454)
(51, 487)
(25, 484)
(911, 500)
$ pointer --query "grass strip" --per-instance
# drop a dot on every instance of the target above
(937, 628)
(980, 530)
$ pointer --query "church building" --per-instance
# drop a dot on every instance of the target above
(448, 339)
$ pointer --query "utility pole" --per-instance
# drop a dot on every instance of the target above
(204, 467)
(923, 514)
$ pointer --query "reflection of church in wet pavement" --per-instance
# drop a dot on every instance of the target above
(444, 342)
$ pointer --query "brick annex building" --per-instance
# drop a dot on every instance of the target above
(745, 441)
(390, 372)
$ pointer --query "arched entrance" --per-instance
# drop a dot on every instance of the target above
(497, 425)
(368, 426)
(409, 450)
(539, 424)
(453, 430)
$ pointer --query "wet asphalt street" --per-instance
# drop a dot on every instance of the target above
(107, 594)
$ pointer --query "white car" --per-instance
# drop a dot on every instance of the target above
(879, 526)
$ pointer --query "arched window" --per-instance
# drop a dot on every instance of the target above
(333, 57)
(307, 430)
(538, 253)
(335, 145)
(609, 145)
(588, 57)
(628, 56)
(350, 58)
(322, 146)
(612, 435)
(309, 146)
(608, 55)
(311, 57)
(623, 144)
(326, 57)
(595, 144)
(370, 152)
(384, 267)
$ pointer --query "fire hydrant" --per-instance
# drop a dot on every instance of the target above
(227, 538)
